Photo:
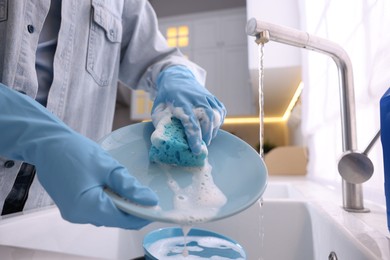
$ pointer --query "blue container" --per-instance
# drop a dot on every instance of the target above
(385, 138)
(234, 252)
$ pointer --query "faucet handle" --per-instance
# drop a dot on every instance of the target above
(355, 167)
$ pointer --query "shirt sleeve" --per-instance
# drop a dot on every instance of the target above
(144, 52)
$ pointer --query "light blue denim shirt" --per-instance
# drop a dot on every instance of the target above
(99, 43)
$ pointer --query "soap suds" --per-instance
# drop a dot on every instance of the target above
(198, 202)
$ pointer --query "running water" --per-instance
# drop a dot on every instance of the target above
(261, 233)
(261, 98)
(261, 138)
(186, 229)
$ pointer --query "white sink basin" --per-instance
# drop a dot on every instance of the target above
(288, 226)
(290, 230)
(281, 190)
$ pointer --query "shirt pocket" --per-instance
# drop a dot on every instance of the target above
(104, 44)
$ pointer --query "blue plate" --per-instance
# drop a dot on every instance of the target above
(237, 170)
(228, 249)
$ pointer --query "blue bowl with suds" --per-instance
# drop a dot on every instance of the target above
(170, 243)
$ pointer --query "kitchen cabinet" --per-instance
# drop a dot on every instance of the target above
(218, 43)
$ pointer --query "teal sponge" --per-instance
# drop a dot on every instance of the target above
(170, 146)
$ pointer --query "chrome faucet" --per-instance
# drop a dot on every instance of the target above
(351, 183)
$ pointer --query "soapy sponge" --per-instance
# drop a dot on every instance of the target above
(170, 146)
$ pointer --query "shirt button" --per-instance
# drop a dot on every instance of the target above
(30, 28)
(9, 164)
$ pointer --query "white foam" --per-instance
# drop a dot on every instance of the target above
(197, 202)
(158, 133)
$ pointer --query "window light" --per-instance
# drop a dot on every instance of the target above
(178, 36)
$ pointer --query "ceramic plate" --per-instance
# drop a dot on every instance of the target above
(201, 244)
(237, 170)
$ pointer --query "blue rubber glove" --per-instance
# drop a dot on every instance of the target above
(182, 96)
(73, 169)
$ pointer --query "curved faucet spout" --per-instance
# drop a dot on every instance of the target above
(352, 193)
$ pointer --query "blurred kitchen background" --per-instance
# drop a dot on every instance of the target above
(301, 92)
(212, 34)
